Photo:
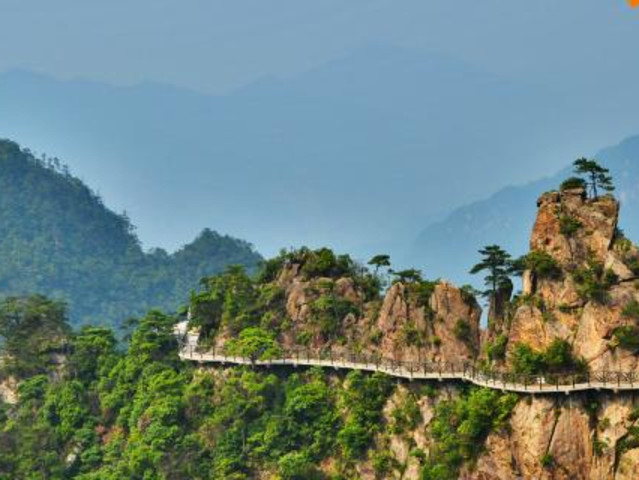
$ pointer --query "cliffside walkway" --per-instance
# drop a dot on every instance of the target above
(554, 383)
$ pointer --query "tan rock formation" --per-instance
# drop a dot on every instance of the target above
(444, 330)
(598, 222)
(555, 307)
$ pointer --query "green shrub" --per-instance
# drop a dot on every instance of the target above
(304, 337)
(548, 461)
(631, 310)
(428, 390)
(376, 336)
(627, 337)
(297, 466)
(254, 343)
(563, 308)
(630, 441)
(384, 464)
(569, 226)
(632, 262)
(593, 282)
(599, 446)
(363, 399)
(469, 294)
(406, 416)
(324, 263)
(328, 312)
(423, 290)
(460, 426)
(621, 243)
(556, 358)
(229, 300)
(411, 335)
(462, 330)
(496, 350)
(573, 183)
(540, 263)
(525, 360)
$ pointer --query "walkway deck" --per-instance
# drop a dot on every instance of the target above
(532, 384)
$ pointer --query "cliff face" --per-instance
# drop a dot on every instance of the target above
(562, 438)
(446, 327)
(586, 302)
(437, 322)
(581, 287)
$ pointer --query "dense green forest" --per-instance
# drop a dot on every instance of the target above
(57, 238)
(87, 410)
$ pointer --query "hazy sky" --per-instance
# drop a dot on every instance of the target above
(577, 60)
(215, 46)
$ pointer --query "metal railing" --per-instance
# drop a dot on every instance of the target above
(551, 382)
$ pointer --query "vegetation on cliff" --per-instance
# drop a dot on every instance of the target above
(91, 411)
(88, 408)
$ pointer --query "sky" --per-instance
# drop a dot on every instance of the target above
(576, 59)
(216, 47)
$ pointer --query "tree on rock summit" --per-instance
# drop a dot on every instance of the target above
(597, 175)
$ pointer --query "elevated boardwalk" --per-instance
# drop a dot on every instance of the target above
(564, 383)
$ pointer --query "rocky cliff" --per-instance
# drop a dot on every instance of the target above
(578, 311)
(589, 301)
(587, 296)
(415, 320)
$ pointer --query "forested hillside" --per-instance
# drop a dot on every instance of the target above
(73, 406)
(57, 238)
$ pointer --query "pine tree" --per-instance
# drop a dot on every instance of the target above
(597, 175)
(497, 262)
(379, 261)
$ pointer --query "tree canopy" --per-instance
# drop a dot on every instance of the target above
(496, 262)
(379, 261)
(598, 177)
(59, 239)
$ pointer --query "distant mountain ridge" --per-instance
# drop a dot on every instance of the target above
(57, 238)
(358, 153)
(448, 248)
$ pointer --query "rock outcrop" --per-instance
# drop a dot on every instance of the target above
(573, 228)
(583, 288)
(444, 327)
(413, 321)
(585, 303)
